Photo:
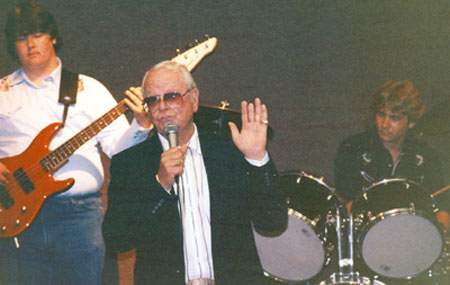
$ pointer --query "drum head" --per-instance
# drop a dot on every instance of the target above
(401, 246)
(295, 255)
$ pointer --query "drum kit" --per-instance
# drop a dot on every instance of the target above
(389, 234)
(396, 241)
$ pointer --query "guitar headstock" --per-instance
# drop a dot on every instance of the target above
(191, 57)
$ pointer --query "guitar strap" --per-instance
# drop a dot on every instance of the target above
(68, 91)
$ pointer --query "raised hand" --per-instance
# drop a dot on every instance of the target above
(252, 139)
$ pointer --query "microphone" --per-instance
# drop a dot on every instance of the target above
(171, 132)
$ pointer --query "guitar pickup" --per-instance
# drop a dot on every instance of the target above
(5, 199)
(24, 181)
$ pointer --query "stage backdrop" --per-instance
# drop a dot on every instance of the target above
(314, 63)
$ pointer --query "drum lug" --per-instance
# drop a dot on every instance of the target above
(331, 219)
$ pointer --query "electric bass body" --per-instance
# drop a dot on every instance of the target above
(30, 183)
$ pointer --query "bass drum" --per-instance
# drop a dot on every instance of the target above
(397, 235)
(302, 250)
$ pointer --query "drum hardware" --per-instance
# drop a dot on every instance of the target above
(313, 223)
(350, 279)
(439, 273)
(346, 274)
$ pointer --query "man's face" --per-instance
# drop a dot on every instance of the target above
(392, 127)
(35, 50)
(161, 81)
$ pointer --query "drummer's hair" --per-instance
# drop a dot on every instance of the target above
(400, 96)
(173, 66)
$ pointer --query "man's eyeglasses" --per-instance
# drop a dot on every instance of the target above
(173, 99)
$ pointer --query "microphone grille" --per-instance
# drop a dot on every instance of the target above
(171, 128)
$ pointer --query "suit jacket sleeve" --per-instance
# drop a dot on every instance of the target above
(266, 197)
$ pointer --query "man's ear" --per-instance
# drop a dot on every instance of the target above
(194, 93)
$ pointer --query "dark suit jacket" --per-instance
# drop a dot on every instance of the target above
(142, 215)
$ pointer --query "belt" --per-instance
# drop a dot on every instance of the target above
(201, 281)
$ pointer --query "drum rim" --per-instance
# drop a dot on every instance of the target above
(318, 179)
(357, 205)
(296, 214)
(283, 280)
(401, 211)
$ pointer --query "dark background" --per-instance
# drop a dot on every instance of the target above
(314, 63)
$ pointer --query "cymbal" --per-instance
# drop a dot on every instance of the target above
(436, 121)
(215, 119)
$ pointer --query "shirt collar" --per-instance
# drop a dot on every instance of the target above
(20, 76)
(194, 141)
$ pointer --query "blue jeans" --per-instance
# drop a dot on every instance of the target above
(63, 245)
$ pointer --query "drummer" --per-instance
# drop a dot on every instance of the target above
(389, 148)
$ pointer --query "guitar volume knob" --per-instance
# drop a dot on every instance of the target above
(24, 209)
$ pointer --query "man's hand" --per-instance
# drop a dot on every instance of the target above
(252, 139)
(171, 165)
(134, 102)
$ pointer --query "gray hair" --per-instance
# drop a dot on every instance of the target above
(172, 66)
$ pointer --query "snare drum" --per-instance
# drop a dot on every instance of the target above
(397, 235)
(301, 251)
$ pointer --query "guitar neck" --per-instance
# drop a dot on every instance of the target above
(56, 158)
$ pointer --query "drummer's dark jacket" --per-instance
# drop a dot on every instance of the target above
(361, 160)
(142, 215)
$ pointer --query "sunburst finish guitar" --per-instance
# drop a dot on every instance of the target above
(32, 182)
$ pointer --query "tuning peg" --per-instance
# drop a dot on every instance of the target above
(178, 51)
(224, 104)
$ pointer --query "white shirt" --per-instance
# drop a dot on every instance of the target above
(25, 109)
(194, 207)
